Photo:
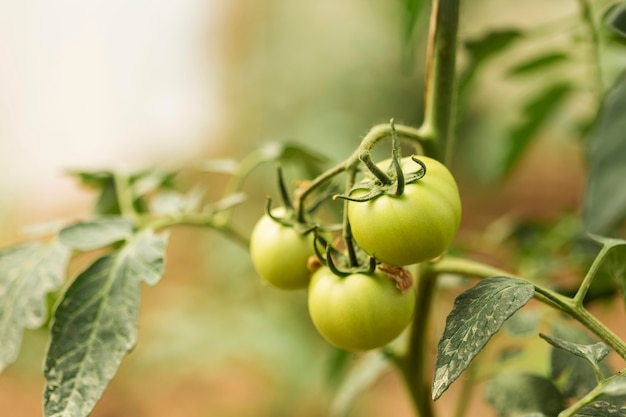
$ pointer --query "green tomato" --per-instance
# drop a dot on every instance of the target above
(359, 311)
(414, 227)
(280, 253)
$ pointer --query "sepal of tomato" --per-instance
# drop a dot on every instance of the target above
(359, 311)
(414, 227)
(280, 253)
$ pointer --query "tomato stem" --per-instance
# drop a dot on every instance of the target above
(440, 78)
(347, 229)
(413, 365)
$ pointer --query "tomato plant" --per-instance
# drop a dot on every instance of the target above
(358, 311)
(280, 253)
(386, 265)
(417, 225)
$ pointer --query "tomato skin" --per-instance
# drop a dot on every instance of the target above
(414, 227)
(358, 312)
(280, 254)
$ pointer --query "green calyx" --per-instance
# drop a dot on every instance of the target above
(390, 183)
(339, 263)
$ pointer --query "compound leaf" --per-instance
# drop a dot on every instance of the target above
(604, 207)
(96, 233)
(27, 274)
(94, 325)
(478, 314)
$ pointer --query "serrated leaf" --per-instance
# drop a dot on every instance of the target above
(534, 115)
(604, 207)
(27, 274)
(538, 63)
(512, 395)
(94, 326)
(96, 233)
(477, 315)
(592, 353)
(602, 409)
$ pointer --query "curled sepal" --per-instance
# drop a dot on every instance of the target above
(285, 217)
(282, 188)
(371, 189)
(339, 263)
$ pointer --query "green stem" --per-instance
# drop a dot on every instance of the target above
(413, 364)
(596, 55)
(440, 77)
(347, 229)
(375, 135)
(196, 219)
(591, 273)
(591, 396)
(124, 196)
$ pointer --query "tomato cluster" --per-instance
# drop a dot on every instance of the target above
(358, 310)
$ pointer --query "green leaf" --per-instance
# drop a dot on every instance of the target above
(616, 388)
(538, 63)
(478, 314)
(94, 325)
(605, 198)
(27, 274)
(576, 374)
(482, 49)
(412, 10)
(145, 258)
(140, 183)
(104, 182)
(592, 353)
(522, 394)
(615, 21)
(96, 233)
(535, 113)
(491, 44)
(602, 409)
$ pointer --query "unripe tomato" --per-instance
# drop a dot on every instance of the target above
(414, 227)
(280, 253)
(359, 311)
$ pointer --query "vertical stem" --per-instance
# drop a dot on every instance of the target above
(124, 196)
(596, 54)
(414, 364)
(440, 76)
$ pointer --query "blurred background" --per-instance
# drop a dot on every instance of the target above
(127, 85)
